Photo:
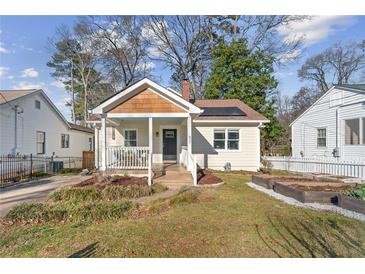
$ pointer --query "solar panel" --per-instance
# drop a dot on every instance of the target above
(222, 111)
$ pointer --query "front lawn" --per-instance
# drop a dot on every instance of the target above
(231, 221)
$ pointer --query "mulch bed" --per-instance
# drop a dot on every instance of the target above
(100, 181)
(207, 178)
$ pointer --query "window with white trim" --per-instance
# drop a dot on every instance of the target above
(65, 140)
(233, 139)
(130, 138)
(219, 139)
(352, 132)
(227, 139)
(41, 142)
(321, 137)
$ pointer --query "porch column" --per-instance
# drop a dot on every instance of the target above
(96, 147)
(103, 143)
(189, 141)
(150, 146)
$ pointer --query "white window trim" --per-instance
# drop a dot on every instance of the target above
(129, 129)
(44, 142)
(65, 134)
(226, 140)
(35, 104)
(361, 135)
(321, 147)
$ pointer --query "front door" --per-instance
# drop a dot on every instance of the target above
(169, 145)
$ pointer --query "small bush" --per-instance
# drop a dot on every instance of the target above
(358, 193)
(70, 171)
(185, 196)
(113, 192)
(266, 166)
(37, 213)
(158, 188)
(40, 174)
(75, 195)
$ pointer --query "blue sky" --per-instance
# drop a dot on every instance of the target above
(24, 53)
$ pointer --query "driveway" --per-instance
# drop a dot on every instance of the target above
(34, 191)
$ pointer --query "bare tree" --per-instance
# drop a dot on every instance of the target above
(120, 46)
(336, 65)
(260, 32)
(183, 44)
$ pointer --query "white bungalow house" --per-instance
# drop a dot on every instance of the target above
(31, 124)
(333, 127)
(146, 126)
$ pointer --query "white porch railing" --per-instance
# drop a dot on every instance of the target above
(331, 166)
(118, 157)
(189, 161)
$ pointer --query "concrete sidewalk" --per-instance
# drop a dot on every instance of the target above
(34, 191)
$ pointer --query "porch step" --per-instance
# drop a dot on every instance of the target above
(175, 180)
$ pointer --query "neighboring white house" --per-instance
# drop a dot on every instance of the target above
(147, 125)
(334, 126)
(31, 123)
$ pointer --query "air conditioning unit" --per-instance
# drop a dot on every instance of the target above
(336, 152)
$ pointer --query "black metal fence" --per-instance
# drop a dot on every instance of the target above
(16, 168)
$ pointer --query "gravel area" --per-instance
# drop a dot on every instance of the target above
(315, 206)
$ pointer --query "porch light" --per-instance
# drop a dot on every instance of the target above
(157, 133)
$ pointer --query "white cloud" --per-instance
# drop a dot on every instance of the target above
(3, 49)
(284, 74)
(10, 77)
(3, 71)
(315, 29)
(28, 85)
(57, 84)
(30, 73)
(289, 56)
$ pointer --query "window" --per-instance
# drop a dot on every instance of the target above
(37, 104)
(65, 141)
(41, 142)
(219, 139)
(233, 139)
(352, 132)
(113, 133)
(130, 138)
(321, 137)
(91, 144)
(169, 134)
(226, 139)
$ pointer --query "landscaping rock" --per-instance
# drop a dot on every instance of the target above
(85, 172)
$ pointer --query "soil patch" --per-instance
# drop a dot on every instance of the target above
(207, 178)
(318, 185)
(101, 182)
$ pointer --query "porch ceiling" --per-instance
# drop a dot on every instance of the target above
(172, 120)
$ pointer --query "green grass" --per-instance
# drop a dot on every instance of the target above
(230, 221)
(358, 193)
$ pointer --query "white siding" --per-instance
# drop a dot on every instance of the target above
(32, 120)
(323, 115)
(247, 158)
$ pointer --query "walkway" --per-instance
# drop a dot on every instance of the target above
(34, 191)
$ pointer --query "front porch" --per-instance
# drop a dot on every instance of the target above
(158, 147)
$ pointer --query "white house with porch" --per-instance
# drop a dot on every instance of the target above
(147, 129)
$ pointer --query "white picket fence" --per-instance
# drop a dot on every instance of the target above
(331, 166)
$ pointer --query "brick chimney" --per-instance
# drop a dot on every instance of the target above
(186, 90)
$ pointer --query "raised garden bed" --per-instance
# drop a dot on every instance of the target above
(303, 189)
(351, 203)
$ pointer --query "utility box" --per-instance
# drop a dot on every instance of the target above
(57, 166)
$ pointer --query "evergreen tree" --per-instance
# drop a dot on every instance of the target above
(247, 75)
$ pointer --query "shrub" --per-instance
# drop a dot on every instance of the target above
(113, 192)
(75, 195)
(185, 196)
(358, 193)
(70, 171)
(35, 213)
(266, 166)
(157, 188)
